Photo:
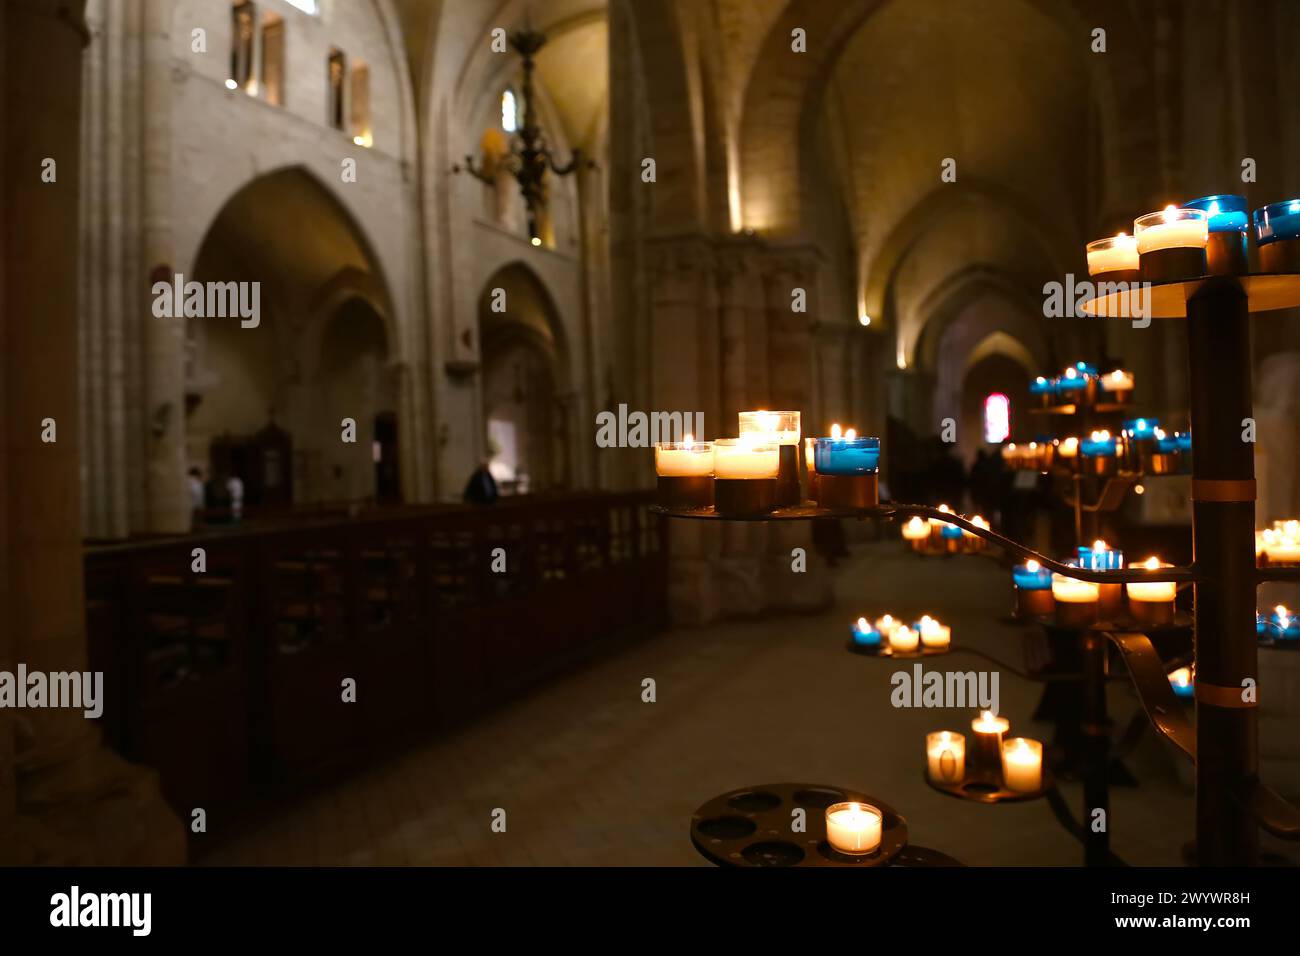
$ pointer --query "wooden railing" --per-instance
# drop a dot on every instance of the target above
(230, 681)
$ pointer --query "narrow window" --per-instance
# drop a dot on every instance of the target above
(273, 59)
(509, 111)
(338, 69)
(241, 46)
(361, 133)
(997, 418)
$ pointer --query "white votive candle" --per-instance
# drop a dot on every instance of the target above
(1117, 381)
(1152, 591)
(903, 639)
(945, 753)
(934, 635)
(916, 530)
(745, 459)
(685, 459)
(1172, 228)
(1112, 255)
(780, 427)
(1022, 764)
(853, 828)
(990, 723)
(1074, 591)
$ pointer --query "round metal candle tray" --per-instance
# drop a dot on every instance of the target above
(752, 827)
(884, 650)
(984, 791)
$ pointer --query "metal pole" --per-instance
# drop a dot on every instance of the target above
(1223, 523)
(1096, 735)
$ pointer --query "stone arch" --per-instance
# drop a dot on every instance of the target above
(783, 90)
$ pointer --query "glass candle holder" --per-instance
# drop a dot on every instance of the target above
(1141, 429)
(847, 471)
(1281, 625)
(935, 636)
(1042, 389)
(1152, 602)
(1182, 683)
(945, 755)
(745, 474)
(1076, 601)
(1100, 445)
(864, 634)
(1100, 557)
(1032, 576)
(1071, 382)
(1115, 259)
(1227, 250)
(684, 474)
(985, 758)
(1022, 765)
(1171, 244)
(853, 828)
(904, 640)
(1277, 231)
(1033, 587)
(780, 428)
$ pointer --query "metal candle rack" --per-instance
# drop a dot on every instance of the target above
(1231, 802)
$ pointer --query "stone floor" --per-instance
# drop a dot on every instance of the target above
(588, 774)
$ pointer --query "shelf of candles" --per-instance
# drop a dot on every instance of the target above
(753, 826)
(891, 637)
(934, 536)
(995, 768)
(1278, 628)
(1279, 545)
(1059, 600)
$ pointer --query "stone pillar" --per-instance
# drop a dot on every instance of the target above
(66, 799)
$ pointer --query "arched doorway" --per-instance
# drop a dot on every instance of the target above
(525, 394)
(267, 402)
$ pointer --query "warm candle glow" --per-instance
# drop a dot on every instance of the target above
(903, 639)
(1172, 228)
(1074, 591)
(934, 635)
(1069, 447)
(886, 624)
(780, 427)
(835, 431)
(945, 754)
(989, 723)
(685, 459)
(916, 529)
(1181, 677)
(1032, 565)
(1110, 255)
(745, 458)
(853, 827)
(1022, 764)
(1118, 380)
(1153, 591)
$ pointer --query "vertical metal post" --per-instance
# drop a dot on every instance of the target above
(1096, 735)
(1223, 523)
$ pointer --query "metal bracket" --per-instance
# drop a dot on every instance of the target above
(1274, 814)
(1152, 683)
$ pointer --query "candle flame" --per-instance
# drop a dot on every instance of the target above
(1032, 566)
(944, 508)
(862, 624)
(835, 431)
(1099, 545)
(688, 441)
(850, 434)
(1117, 375)
(1120, 235)
(1282, 611)
(1071, 373)
(986, 715)
(1170, 213)
(1182, 677)
(1153, 563)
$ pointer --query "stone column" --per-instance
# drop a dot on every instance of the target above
(66, 799)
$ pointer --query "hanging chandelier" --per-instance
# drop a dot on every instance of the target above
(528, 157)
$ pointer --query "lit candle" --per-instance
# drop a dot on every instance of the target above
(1072, 381)
(864, 634)
(781, 429)
(1141, 428)
(990, 723)
(853, 828)
(1226, 213)
(1181, 682)
(1068, 448)
(1117, 381)
(1099, 443)
(1152, 590)
(1171, 228)
(1042, 387)
(1022, 764)
(903, 640)
(1115, 254)
(945, 753)
(1032, 576)
(1077, 602)
(847, 470)
(737, 459)
(916, 530)
(684, 459)
(1280, 544)
(934, 635)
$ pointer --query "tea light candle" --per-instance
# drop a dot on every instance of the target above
(1068, 448)
(1153, 591)
(781, 428)
(1279, 220)
(1282, 625)
(1100, 443)
(1076, 601)
(684, 459)
(1166, 444)
(1072, 381)
(903, 640)
(1171, 228)
(1022, 764)
(1100, 557)
(1181, 683)
(1184, 440)
(916, 529)
(847, 455)
(853, 828)
(1116, 254)
(1141, 428)
(1226, 213)
(990, 723)
(945, 753)
(864, 635)
(1117, 381)
(934, 635)
(1041, 386)
(1032, 576)
(1280, 544)
(740, 459)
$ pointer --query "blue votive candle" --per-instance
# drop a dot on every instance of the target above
(1184, 440)
(1182, 683)
(1072, 381)
(1031, 576)
(864, 634)
(1277, 229)
(1141, 428)
(1100, 557)
(1227, 213)
(1087, 368)
(1279, 624)
(1098, 443)
(1166, 444)
(846, 456)
(1042, 388)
